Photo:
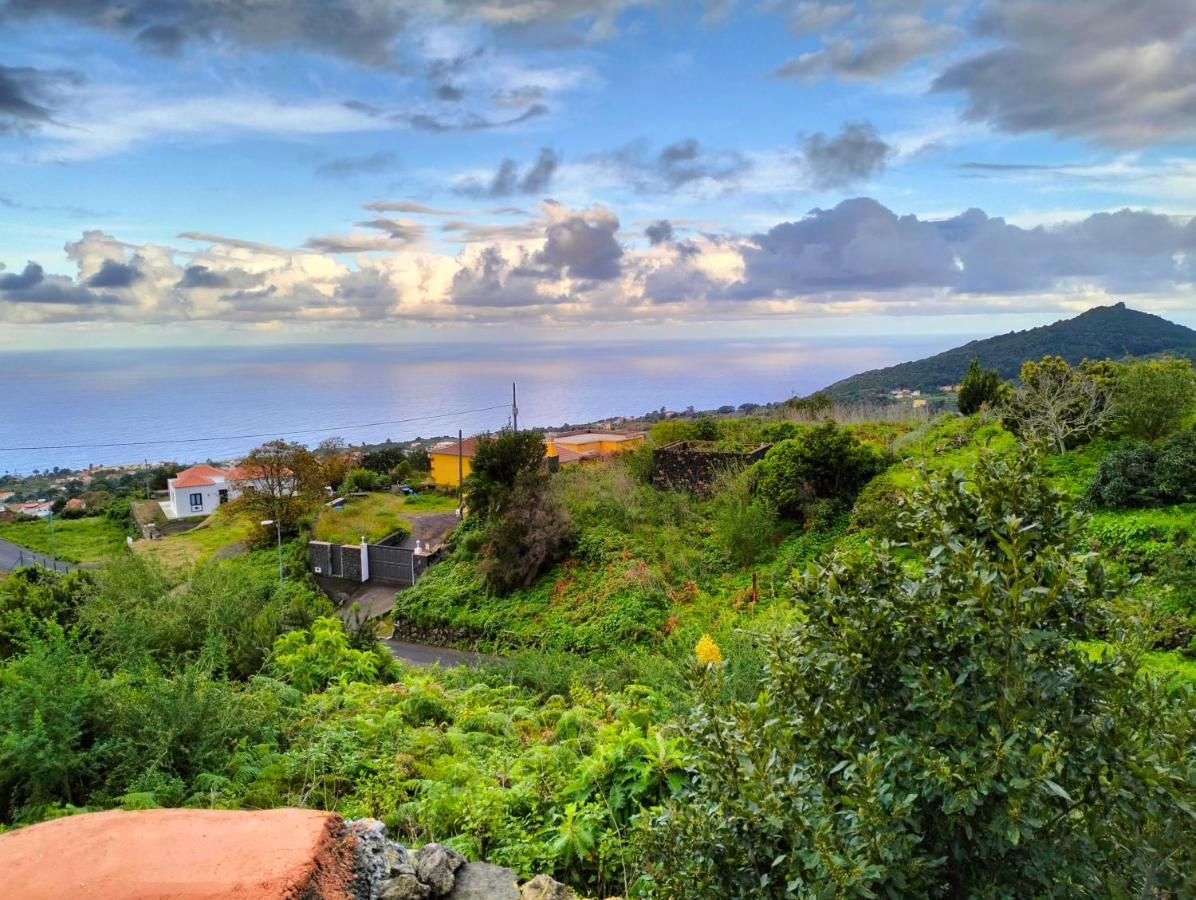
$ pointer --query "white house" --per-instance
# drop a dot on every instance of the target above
(199, 490)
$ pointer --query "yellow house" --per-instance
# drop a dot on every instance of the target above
(451, 464)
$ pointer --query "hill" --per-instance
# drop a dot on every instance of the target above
(1102, 332)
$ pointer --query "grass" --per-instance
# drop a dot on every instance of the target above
(223, 527)
(74, 540)
(373, 515)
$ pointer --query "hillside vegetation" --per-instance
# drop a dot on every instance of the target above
(1105, 332)
(938, 658)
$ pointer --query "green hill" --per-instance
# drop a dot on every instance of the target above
(1102, 332)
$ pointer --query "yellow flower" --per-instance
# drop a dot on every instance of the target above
(707, 652)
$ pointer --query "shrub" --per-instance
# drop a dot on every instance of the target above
(498, 463)
(531, 533)
(744, 525)
(1175, 470)
(940, 734)
(311, 659)
(363, 481)
(824, 463)
(1154, 397)
(979, 387)
(1126, 477)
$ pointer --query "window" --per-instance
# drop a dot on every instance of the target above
(196, 502)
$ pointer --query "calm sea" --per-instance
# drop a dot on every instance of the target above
(196, 404)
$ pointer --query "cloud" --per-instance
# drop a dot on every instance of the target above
(348, 166)
(857, 153)
(408, 206)
(485, 232)
(399, 229)
(32, 274)
(508, 180)
(871, 46)
(680, 164)
(582, 245)
(113, 274)
(355, 243)
(25, 95)
(1120, 74)
(470, 121)
(659, 232)
(449, 93)
(204, 277)
(33, 286)
(238, 243)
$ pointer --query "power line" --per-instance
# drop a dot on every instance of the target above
(264, 434)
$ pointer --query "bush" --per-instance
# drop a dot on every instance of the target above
(1126, 477)
(531, 533)
(364, 481)
(1154, 397)
(979, 387)
(498, 463)
(744, 526)
(824, 463)
(940, 734)
(1175, 469)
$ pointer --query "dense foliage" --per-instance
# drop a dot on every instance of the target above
(1143, 474)
(979, 387)
(1154, 397)
(825, 464)
(938, 733)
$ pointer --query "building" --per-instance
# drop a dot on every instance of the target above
(76, 503)
(200, 490)
(37, 509)
(449, 467)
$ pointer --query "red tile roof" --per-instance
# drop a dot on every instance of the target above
(198, 476)
(469, 446)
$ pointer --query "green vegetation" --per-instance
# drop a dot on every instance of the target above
(374, 515)
(83, 540)
(1103, 332)
(891, 659)
(979, 388)
(228, 526)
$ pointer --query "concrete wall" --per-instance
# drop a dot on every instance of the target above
(695, 466)
(181, 498)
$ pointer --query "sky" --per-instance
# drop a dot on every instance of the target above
(204, 172)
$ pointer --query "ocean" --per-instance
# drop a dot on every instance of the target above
(194, 404)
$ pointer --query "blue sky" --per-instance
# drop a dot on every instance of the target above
(193, 171)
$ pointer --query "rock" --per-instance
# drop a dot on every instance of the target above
(435, 865)
(405, 887)
(485, 881)
(378, 857)
(544, 887)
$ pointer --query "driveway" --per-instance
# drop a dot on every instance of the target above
(426, 655)
(13, 556)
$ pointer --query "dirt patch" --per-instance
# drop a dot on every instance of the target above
(180, 853)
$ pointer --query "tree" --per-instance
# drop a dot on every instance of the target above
(1126, 477)
(530, 533)
(498, 462)
(1154, 397)
(935, 731)
(1058, 404)
(281, 481)
(824, 463)
(383, 459)
(334, 460)
(979, 386)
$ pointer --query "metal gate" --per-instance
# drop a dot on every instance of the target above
(392, 565)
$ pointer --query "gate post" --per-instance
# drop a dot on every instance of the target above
(365, 560)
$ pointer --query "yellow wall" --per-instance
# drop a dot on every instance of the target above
(444, 468)
(603, 447)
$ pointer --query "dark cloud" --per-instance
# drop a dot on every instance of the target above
(348, 166)
(874, 44)
(472, 121)
(33, 274)
(113, 274)
(495, 282)
(857, 153)
(26, 95)
(583, 245)
(33, 286)
(449, 93)
(1119, 73)
(198, 276)
(677, 165)
(508, 180)
(659, 232)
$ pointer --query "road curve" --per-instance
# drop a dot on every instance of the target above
(426, 655)
(13, 556)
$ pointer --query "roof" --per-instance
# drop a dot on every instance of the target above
(199, 476)
(469, 446)
(569, 455)
(589, 437)
(75, 503)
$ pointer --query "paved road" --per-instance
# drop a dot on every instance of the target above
(427, 655)
(13, 556)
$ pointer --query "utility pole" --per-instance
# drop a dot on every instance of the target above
(460, 463)
(514, 410)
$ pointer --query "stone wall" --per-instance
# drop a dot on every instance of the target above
(695, 466)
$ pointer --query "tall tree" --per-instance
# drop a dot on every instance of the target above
(498, 463)
(281, 481)
(1154, 397)
(979, 386)
(1061, 405)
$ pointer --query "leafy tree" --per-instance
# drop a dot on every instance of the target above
(979, 387)
(934, 731)
(498, 463)
(1154, 397)
(705, 429)
(383, 459)
(1058, 404)
(1175, 471)
(530, 532)
(1126, 477)
(282, 481)
(824, 463)
(814, 406)
(364, 480)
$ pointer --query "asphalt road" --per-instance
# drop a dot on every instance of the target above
(13, 556)
(427, 655)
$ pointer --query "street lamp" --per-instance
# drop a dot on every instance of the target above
(277, 523)
(53, 543)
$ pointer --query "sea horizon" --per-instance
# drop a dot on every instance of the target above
(191, 404)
